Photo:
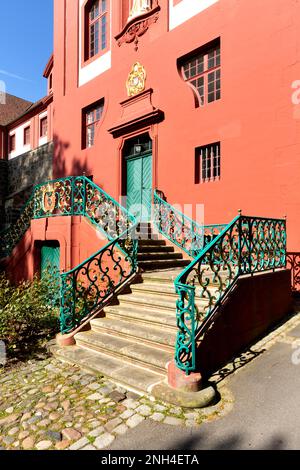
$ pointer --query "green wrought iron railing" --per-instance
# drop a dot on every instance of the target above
(90, 284)
(177, 227)
(248, 245)
(181, 229)
(11, 236)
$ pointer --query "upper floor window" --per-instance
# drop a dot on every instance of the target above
(208, 163)
(202, 71)
(12, 143)
(50, 82)
(27, 135)
(44, 127)
(97, 27)
(91, 118)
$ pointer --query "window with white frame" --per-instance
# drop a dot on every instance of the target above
(202, 71)
(91, 119)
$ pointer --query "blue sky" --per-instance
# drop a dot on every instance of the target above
(26, 43)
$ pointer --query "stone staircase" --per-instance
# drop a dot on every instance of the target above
(132, 340)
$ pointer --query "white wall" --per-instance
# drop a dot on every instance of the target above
(20, 147)
(185, 10)
(98, 66)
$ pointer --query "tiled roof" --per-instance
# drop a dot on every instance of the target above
(12, 109)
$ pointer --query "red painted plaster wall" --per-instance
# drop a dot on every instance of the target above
(255, 120)
(77, 239)
(258, 304)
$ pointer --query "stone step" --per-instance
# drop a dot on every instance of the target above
(148, 237)
(166, 288)
(162, 264)
(152, 242)
(159, 256)
(140, 354)
(154, 301)
(155, 249)
(121, 372)
(166, 276)
(135, 331)
(139, 314)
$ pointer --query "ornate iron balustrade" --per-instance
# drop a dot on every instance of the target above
(77, 196)
(90, 284)
(293, 262)
(246, 246)
(12, 235)
(211, 232)
(61, 197)
(177, 227)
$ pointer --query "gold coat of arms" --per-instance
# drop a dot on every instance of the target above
(136, 80)
(48, 199)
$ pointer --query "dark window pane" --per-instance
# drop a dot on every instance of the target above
(211, 87)
(211, 77)
(103, 34)
(193, 71)
(200, 67)
(211, 63)
(103, 6)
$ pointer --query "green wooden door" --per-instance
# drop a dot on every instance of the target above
(139, 186)
(50, 270)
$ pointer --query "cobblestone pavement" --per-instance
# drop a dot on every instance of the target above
(50, 405)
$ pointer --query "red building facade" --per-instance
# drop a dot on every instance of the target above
(240, 102)
(198, 100)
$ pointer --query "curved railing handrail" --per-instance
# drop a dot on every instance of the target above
(173, 209)
(187, 269)
(39, 213)
(105, 247)
(88, 285)
(193, 241)
(76, 306)
(7, 247)
(130, 216)
(247, 245)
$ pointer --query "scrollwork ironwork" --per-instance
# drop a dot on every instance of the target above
(293, 263)
(86, 287)
(10, 237)
(246, 246)
(89, 285)
(177, 227)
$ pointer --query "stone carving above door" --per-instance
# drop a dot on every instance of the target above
(143, 14)
(139, 7)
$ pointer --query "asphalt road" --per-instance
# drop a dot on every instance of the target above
(265, 415)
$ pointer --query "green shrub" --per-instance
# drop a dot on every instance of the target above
(26, 315)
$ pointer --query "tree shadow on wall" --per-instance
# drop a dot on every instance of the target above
(64, 165)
